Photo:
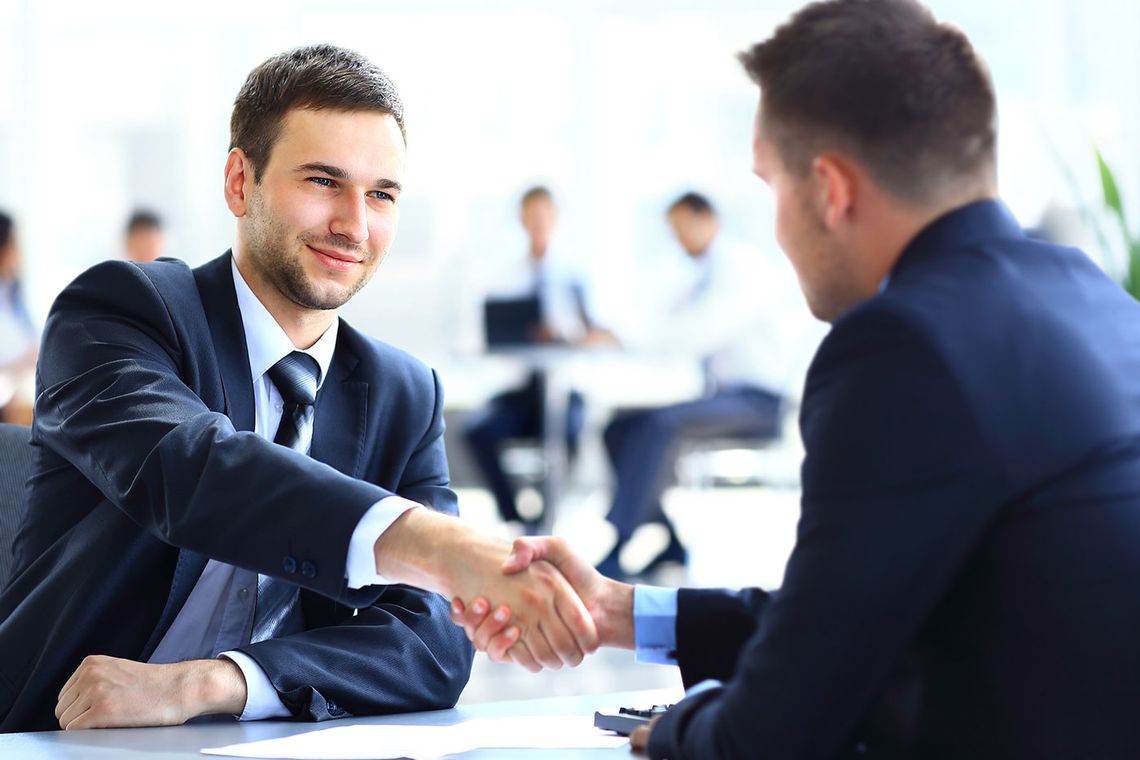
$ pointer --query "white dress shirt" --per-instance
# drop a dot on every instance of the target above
(197, 624)
(742, 312)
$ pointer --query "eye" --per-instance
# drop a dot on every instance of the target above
(321, 181)
(382, 196)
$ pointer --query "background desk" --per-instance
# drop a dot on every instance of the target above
(607, 378)
(186, 741)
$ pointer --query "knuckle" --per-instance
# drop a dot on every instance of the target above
(533, 597)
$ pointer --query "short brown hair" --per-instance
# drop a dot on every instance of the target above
(538, 192)
(313, 77)
(695, 202)
(906, 95)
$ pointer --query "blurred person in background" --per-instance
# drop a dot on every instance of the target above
(550, 276)
(145, 239)
(19, 338)
(738, 311)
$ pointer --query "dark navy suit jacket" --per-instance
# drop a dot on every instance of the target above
(145, 466)
(966, 577)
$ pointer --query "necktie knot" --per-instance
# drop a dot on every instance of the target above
(296, 376)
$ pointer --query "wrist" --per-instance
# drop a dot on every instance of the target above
(614, 615)
(213, 687)
(438, 553)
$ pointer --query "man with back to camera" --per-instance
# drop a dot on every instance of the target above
(964, 581)
(224, 512)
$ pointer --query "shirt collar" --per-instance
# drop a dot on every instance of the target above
(266, 343)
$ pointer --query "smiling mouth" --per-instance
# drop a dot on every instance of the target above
(339, 261)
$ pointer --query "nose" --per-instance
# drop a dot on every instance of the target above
(350, 220)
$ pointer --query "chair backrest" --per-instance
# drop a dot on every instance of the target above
(15, 467)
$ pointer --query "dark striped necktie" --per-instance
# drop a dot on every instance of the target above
(296, 377)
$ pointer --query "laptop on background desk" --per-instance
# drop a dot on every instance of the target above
(511, 321)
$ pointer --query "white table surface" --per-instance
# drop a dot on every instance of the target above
(186, 741)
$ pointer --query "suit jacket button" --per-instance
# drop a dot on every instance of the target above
(289, 565)
(308, 569)
(332, 708)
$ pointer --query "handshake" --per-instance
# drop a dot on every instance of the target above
(592, 610)
(534, 603)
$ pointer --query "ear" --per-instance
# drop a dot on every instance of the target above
(238, 182)
(836, 185)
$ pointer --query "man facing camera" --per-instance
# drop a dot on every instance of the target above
(964, 580)
(227, 504)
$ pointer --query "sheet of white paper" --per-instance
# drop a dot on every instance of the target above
(539, 732)
(351, 743)
(429, 742)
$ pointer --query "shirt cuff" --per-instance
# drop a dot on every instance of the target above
(655, 624)
(261, 700)
(706, 685)
(360, 567)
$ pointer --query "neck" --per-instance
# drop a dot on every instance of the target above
(304, 326)
(897, 225)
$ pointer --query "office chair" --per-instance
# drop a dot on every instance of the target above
(15, 467)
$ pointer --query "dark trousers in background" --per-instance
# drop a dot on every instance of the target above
(642, 447)
(511, 415)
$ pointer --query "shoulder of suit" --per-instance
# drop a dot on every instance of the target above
(383, 356)
(160, 271)
(167, 276)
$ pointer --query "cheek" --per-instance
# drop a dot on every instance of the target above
(785, 223)
(290, 212)
(382, 228)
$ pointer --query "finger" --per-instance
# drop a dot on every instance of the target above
(561, 641)
(529, 549)
(66, 698)
(576, 618)
(639, 739)
(497, 647)
(520, 654)
(523, 552)
(491, 626)
(79, 707)
(542, 645)
(469, 618)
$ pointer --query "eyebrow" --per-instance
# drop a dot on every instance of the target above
(337, 173)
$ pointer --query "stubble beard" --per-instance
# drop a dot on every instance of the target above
(269, 249)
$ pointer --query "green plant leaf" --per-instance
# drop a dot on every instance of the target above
(1108, 183)
(1130, 276)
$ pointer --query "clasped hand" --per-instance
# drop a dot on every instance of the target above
(502, 634)
(550, 625)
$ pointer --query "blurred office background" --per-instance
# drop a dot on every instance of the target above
(617, 105)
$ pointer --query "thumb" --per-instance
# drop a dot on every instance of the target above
(524, 551)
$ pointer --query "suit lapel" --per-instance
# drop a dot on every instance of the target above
(219, 300)
(340, 420)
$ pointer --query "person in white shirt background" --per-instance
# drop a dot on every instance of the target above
(734, 310)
